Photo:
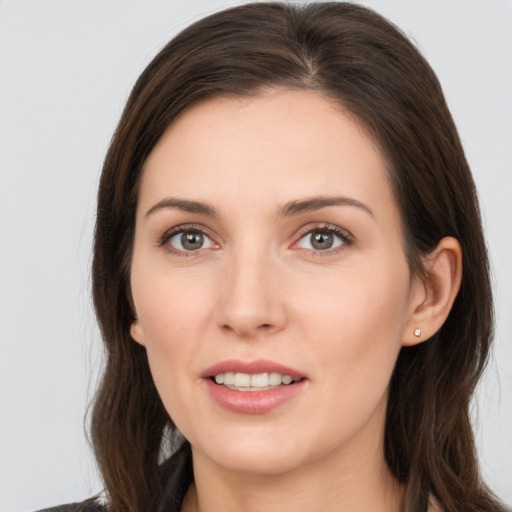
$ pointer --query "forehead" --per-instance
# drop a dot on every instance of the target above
(271, 148)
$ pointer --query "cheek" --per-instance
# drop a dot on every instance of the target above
(169, 327)
(174, 312)
(170, 324)
(358, 300)
(355, 321)
(168, 302)
(354, 337)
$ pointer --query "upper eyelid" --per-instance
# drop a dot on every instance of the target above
(186, 227)
(319, 226)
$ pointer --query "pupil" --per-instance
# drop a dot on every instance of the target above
(322, 240)
(192, 241)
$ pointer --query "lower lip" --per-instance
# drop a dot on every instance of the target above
(253, 402)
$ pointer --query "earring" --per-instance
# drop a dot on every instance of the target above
(417, 333)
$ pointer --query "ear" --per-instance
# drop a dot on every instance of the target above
(136, 332)
(434, 292)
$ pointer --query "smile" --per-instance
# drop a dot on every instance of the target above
(255, 387)
(255, 382)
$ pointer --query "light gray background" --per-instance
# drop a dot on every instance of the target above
(66, 68)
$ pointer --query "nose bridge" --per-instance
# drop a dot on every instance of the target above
(250, 299)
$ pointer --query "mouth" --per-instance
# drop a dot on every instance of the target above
(253, 382)
(255, 387)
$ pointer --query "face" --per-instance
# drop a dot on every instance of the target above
(268, 249)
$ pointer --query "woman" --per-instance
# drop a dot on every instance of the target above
(289, 274)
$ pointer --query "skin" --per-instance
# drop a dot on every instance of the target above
(257, 289)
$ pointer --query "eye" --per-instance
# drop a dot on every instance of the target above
(189, 241)
(323, 239)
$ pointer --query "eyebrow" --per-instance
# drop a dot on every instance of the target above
(184, 205)
(287, 210)
(316, 203)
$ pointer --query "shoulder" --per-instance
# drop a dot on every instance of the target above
(176, 476)
(495, 507)
(90, 505)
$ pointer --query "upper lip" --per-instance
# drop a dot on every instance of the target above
(251, 367)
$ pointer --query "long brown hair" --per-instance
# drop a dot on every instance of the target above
(351, 54)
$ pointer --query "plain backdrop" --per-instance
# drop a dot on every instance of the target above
(66, 68)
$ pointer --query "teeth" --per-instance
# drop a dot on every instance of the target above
(248, 382)
(286, 379)
(274, 379)
(260, 380)
(242, 380)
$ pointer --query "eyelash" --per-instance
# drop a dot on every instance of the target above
(346, 238)
(184, 228)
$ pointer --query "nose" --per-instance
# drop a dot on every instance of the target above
(250, 302)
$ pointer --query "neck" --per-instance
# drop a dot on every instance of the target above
(349, 481)
(269, 495)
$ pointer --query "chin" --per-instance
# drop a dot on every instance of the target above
(258, 461)
(264, 452)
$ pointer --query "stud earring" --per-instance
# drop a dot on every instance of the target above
(417, 333)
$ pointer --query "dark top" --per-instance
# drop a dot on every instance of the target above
(84, 506)
(178, 475)
(176, 472)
